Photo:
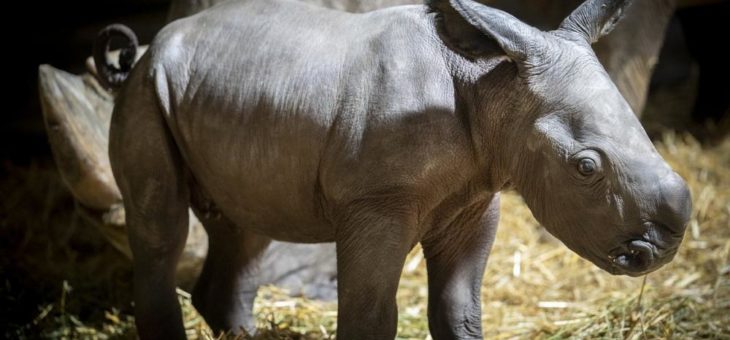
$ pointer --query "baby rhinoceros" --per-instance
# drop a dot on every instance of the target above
(277, 120)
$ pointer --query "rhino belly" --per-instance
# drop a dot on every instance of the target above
(262, 174)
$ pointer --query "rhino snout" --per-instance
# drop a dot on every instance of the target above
(656, 247)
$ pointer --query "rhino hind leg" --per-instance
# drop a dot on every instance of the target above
(227, 286)
(152, 179)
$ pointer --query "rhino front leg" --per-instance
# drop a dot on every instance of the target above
(371, 250)
(226, 289)
(455, 258)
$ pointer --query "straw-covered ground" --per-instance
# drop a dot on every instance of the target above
(62, 281)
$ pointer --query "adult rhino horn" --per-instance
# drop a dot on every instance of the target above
(77, 113)
(595, 18)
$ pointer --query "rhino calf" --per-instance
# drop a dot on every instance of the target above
(277, 120)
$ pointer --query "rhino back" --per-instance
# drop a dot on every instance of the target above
(277, 104)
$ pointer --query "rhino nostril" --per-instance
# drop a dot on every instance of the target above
(661, 235)
(673, 230)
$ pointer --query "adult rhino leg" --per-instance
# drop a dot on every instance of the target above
(455, 258)
(152, 181)
(227, 286)
(372, 247)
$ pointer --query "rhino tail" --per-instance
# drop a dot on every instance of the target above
(110, 76)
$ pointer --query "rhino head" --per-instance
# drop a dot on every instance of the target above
(574, 149)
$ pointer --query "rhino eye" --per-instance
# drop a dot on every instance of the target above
(586, 166)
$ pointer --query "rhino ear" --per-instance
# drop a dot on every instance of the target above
(595, 18)
(517, 39)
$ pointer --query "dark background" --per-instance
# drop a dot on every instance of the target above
(59, 33)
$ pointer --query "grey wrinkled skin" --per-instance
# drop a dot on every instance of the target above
(183, 8)
(629, 53)
(378, 131)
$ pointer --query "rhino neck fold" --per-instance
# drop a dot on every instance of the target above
(494, 112)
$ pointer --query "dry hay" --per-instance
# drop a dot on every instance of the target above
(58, 277)
(534, 287)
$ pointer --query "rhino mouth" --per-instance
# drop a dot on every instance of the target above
(634, 258)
